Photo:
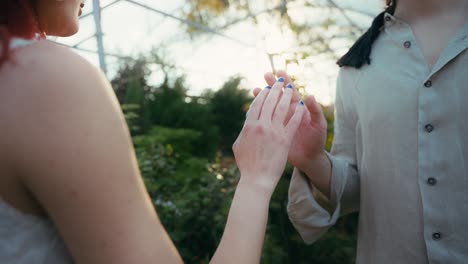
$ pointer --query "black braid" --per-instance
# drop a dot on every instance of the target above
(360, 52)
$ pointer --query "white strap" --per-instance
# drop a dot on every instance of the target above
(17, 43)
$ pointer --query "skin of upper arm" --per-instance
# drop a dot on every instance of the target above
(73, 151)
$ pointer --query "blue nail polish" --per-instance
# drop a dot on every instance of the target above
(302, 102)
(289, 86)
(280, 79)
(268, 87)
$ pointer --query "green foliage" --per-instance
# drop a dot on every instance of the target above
(181, 139)
(229, 105)
(191, 195)
(173, 108)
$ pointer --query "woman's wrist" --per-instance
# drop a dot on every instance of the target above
(261, 188)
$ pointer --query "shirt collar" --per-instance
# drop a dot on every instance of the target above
(461, 37)
(457, 45)
(389, 19)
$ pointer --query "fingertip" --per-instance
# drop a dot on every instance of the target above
(269, 78)
(299, 113)
(281, 73)
(300, 107)
(256, 91)
(284, 74)
(310, 101)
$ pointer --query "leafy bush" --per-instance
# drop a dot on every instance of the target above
(191, 195)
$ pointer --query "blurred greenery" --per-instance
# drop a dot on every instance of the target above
(183, 144)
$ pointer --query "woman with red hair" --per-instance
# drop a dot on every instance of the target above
(70, 188)
(30, 19)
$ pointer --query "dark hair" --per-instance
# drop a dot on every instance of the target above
(17, 19)
(360, 52)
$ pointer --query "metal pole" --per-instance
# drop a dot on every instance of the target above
(100, 43)
(272, 62)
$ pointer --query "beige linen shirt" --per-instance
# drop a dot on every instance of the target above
(400, 154)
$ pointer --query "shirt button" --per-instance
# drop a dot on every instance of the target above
(428, 84)
(407, 44)
(436, 236)
(431, 181)
(429, 128)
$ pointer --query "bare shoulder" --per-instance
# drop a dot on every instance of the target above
(47, 66)
(49, 93)
(47, 78)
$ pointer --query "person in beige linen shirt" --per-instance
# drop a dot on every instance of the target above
(400, 151)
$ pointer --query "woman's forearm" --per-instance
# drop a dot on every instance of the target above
(261, 151)
(244, 234)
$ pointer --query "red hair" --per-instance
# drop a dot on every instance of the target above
(17, 19)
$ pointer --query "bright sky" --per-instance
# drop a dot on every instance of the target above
(210, 60)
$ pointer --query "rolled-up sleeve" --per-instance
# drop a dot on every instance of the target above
(311, 212)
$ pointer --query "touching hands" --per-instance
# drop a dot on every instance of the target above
(261, 150)
(309, 141)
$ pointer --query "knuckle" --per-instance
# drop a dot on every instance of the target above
(260, 129)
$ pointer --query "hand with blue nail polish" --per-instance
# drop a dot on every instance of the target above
(263, 144)
(309, 143)
(261, 153)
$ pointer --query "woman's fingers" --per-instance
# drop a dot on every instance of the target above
(271, 100)
(287, 79)
(296, 95)
(284, 74)
(270, 79)
(256, 106)
(283, 106)
(295, 121)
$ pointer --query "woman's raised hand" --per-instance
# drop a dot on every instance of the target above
(261, 150)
